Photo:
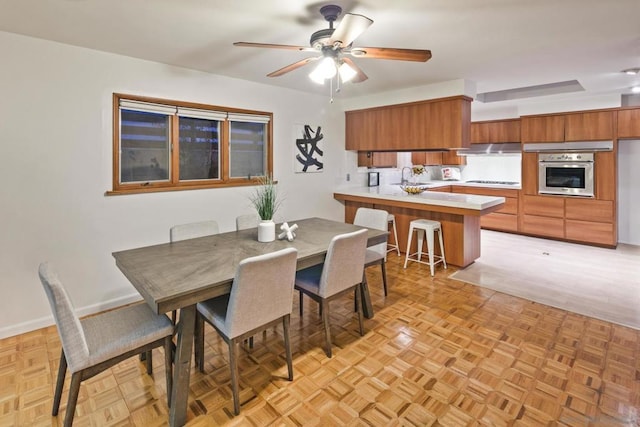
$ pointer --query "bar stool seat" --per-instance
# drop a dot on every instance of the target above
(428, 227)
(391, 219)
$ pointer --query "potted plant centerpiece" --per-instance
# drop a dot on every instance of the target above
(265, 200)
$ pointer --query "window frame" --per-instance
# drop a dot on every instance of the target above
(174, 183)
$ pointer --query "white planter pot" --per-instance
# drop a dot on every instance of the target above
(266, 231)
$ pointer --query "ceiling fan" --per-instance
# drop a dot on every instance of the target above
(335, 46)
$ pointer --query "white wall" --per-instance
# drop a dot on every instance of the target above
(628, 193)
(55, 135)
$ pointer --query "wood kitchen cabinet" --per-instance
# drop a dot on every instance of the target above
(530, 173)
(629, 123)
(542, 128)
(582, 126)
(504, 219)
(590, 221)
(588, 126)
(495, 131)
(543, 216)
(372, 159)
(434, 124)
(426, 158)
(430, 158)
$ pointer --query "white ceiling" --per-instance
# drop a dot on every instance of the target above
(497, 44)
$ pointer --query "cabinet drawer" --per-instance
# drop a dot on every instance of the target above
(484, 191)
(443, 189)
(499, 221)
(589, 210)
(543, 226)
(510, 206)
(544, 206)
(591, 232)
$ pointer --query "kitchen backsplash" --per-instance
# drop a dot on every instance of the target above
(489, 168)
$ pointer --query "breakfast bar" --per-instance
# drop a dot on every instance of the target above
(459, 215)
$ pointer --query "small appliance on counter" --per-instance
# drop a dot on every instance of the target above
(374, 179)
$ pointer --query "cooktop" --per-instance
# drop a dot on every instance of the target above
(494, 182)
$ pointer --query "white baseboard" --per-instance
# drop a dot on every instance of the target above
(46, 321)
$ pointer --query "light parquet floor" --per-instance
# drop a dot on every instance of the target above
(439, 352)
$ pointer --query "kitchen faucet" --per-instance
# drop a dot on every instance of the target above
(403, 180)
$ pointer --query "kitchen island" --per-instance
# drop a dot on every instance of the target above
(459, 215)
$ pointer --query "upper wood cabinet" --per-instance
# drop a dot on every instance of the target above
(590, 126)
(437, 158)
(495, 131)
(372, 159)
(427, 158)
(435, 124)
(629, 123)
(585, 126)
(542, 129)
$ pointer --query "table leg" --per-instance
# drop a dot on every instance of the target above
(367, 308)
(182, 367)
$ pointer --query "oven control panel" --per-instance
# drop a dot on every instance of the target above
(565, 157)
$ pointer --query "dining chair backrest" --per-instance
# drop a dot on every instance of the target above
(373, 218)
(193, 230)
(262, 291)
(344, 264)
(244, 222)
(70, 330)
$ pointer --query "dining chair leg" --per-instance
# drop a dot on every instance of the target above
(359, 306)
(300, 305)
(233, 364)
(287, 344)
(384, 277)
(168, 366)
(62, 371)
(74, 390)
(324, 306)
(149, 362)
(198, 343)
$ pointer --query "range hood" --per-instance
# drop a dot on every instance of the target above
(569, 146)
(491, 149)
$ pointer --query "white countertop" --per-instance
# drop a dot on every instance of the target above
(436, 184)
(434, 198)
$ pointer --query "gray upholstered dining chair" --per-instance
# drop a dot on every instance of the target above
(96, 343)
(341, 273)
(378, 219)
(246, 221)
(261, 296)
(191, 230)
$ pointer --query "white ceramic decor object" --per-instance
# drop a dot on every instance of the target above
(266, 231)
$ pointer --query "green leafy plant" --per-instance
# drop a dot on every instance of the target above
(265, 198)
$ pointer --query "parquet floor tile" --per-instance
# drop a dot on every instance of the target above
(439, 352)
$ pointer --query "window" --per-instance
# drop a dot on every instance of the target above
(162, 145)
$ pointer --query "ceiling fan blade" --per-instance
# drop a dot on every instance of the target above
(275, 46)
(360, 76)
(350, 27)
(417, 55)
(293, 66)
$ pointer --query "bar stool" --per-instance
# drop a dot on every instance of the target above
(392, 220)
(422, 226)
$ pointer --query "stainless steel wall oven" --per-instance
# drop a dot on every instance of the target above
(568, 174)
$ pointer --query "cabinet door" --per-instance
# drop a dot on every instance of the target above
(377, 159)
(629, 123)
(427, 158)
(550, 206)
(591, 126)
(362, 130)
(495, 131)
(450, 124)
(452, 158)
(542, 129)
(605, 175)
(589, 210)
(530, 173)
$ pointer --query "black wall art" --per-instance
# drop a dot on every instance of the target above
(308, 152)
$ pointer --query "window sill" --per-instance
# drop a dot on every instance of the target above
(151, 188)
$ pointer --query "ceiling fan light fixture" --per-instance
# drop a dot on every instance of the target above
(346, 72)
(326, 69)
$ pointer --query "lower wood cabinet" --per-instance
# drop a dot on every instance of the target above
(543, 226)
(504, 219)
(568, 218)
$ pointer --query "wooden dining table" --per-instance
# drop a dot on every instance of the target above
(178, 275)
